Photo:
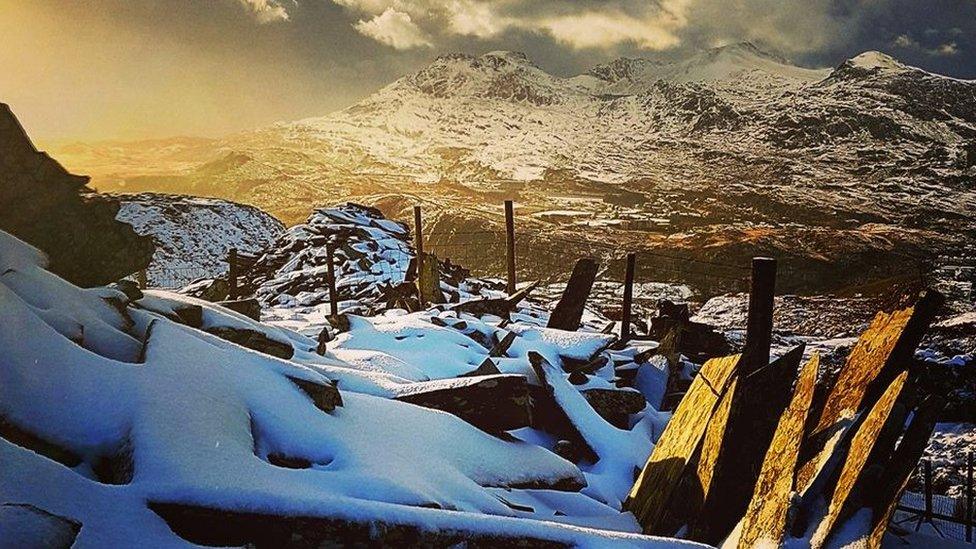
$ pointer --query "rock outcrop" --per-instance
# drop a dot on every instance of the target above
(44, 205)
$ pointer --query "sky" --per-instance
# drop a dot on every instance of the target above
(133, 69)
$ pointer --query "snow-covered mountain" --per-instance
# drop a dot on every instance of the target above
(194, 235)
(724, 154)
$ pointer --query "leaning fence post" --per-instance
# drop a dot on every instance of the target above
(510, 244)
(759, 327)
(232, 274)
(628, 297)
(333, 295)
(969, 498)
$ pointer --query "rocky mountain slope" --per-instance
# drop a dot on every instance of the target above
(194, 235)
(849, 175)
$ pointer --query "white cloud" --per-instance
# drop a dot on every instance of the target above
(394, 28)
(581, 25)
(266, 11)
(651, 31)
(942, 50)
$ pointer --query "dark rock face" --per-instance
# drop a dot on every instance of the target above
(44, 205)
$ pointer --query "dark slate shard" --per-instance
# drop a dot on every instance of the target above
(569, 311)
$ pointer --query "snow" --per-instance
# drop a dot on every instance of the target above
(193, 235)
(200, 416)
(876, 60)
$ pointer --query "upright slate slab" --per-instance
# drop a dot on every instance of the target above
(569, 311)
(654, 487)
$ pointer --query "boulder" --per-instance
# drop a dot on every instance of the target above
(53, 210)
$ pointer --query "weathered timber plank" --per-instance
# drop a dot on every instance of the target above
(689, 496)
(678, 442)
(736, 448)
(569, 311)
(231, 527)
(765, 519)
(857, 456)
(498, 306)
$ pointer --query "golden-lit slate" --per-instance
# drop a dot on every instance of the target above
(765, 519)
(865, 362)
(684, 431)
(860, 448)
(714, 433)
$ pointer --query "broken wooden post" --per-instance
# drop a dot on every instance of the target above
(418, 245)
(927, 476)
(333, 294)
(232, 274)
(569, 311)
(141, 279)
(759, 327)
(510, 244)
(628, 297)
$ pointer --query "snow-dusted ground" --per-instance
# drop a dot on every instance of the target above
(194, 235)
(99, 374)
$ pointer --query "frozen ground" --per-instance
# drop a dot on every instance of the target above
(182, 416)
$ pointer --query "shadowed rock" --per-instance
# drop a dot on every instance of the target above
(53, 210)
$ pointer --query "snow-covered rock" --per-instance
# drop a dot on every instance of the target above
(120, 391)
(193, 235)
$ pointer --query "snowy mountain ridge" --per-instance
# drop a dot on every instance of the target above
(734, 151)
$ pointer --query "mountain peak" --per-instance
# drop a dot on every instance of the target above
(875, 60)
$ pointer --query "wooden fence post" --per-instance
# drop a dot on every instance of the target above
(927, 471)
(969, 498)
(418, 231)
(510, 242)
(418, 244)
(232, 274)
(759, 327)
(333, 295)
(628, 297)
